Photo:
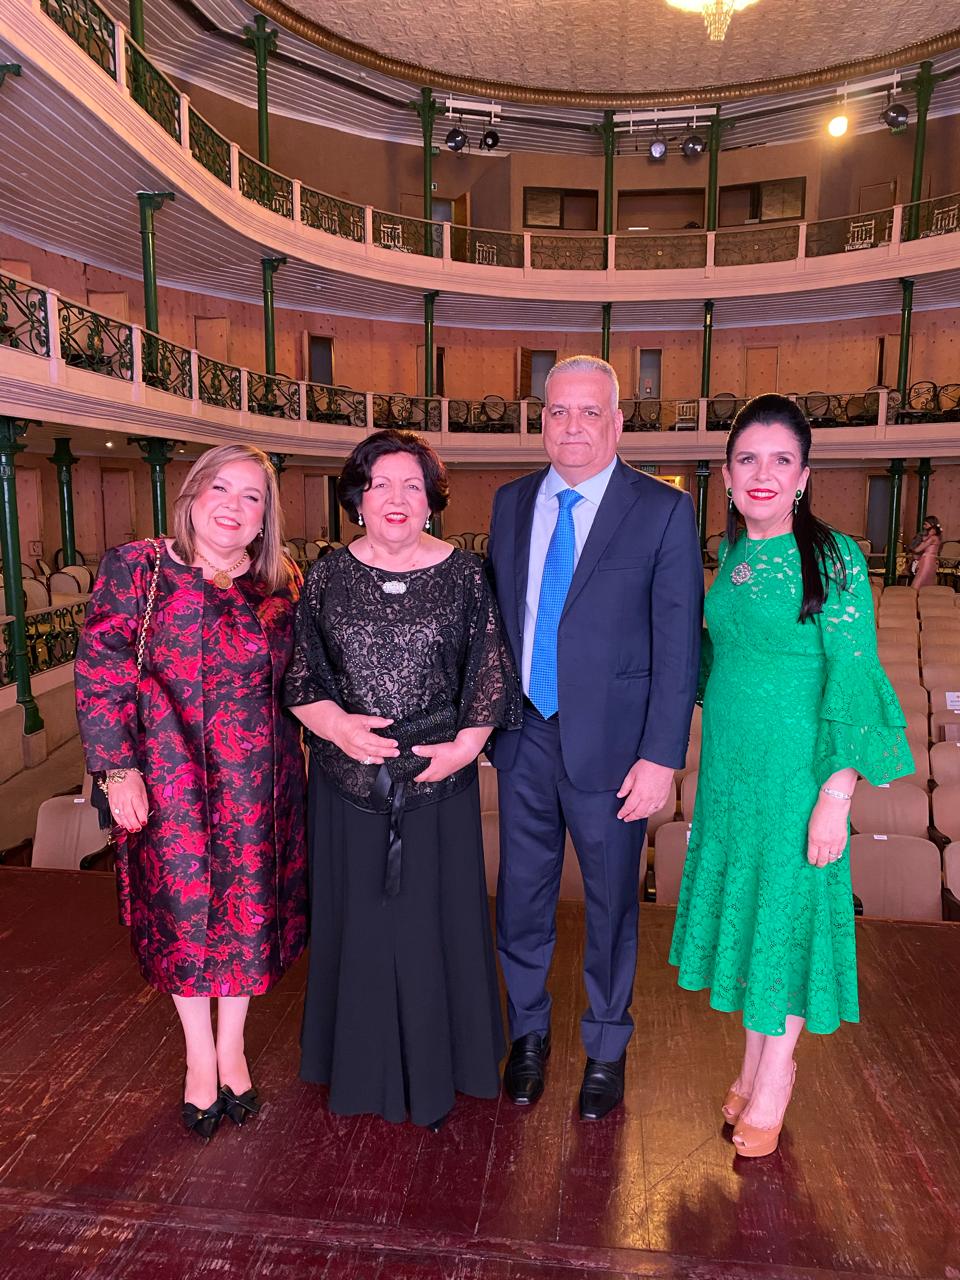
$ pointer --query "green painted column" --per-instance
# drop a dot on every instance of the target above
(11, 429)
(924, 472)
(923, 87)
(136, 23)
(713, 155)
(270, 267)
(263, 43)
(150, 202)
(279, 463)
(893, 526)
(707, 345)
(64, 461)
(429, 359)
(703, 482)
(157, 452)
(427, 109)
(605, 330)
(903, 364)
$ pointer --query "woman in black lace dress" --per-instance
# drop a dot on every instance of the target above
(399, 674)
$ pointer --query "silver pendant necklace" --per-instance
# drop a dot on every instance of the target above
(742, 572)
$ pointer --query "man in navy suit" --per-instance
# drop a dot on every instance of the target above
(599, 578)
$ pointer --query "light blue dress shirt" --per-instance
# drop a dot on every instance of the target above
(544, 521)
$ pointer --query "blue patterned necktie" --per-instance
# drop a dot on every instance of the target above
(557, 576)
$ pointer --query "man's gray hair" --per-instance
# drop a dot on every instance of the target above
(587, 364)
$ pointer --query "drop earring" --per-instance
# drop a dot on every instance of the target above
(796, 501)
(730, 496)
(360, 519)
(426, 527)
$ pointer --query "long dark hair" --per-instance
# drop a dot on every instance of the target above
(820, 556)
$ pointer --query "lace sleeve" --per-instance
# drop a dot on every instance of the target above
(310, 676)
(490, 691)
(861, 723)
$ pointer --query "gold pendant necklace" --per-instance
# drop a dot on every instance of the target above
(222, 578)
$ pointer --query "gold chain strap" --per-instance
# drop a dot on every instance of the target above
(148, 611)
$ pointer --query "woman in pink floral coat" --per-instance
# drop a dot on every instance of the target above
(203, 769)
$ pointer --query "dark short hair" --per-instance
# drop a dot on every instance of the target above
(357, 473)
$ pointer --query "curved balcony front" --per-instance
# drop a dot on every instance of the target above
(100, 88)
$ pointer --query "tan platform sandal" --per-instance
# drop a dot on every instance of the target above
(733, 1104)
(751, 1141)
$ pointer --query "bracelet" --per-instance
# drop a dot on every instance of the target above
(837, 795)
(113, 775)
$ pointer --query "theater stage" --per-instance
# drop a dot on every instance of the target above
(98, 1180)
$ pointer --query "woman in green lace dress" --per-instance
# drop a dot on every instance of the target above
(795, 706)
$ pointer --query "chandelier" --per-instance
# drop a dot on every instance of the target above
(716, 13)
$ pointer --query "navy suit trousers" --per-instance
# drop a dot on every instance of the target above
(538, 804)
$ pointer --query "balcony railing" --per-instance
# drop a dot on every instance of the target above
(24, 321)
(87, 340)
(86, 23)
(52, 637)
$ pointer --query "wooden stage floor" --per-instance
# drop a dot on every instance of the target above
(97, 1179)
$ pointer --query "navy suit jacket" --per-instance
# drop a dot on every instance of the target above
(628, 645)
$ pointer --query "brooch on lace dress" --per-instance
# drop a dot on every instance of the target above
(393, 587)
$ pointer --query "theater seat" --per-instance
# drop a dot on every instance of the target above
(896, 877)
(901, 810)
(68, 830)
(951, 882)
(668, 859)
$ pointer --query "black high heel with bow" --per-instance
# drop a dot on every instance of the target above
(239, 1106)
(202, 1121)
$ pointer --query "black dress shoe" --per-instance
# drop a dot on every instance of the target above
(436, 1125)
(524, 1072)
(202, 1121)
(239, 1106)
(602, 1088)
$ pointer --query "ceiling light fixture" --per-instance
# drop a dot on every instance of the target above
(716, 13)
(456, 139)
(490, 140)
(895, 116)
(658, 147)
(693, 145)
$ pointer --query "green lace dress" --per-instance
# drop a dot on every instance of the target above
(785, 705)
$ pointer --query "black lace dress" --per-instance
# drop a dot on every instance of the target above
(402, 1007)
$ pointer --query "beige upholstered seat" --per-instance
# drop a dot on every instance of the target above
(902, 810)
(951, 882)
(688, 794)
(912, 696)
(889, 633)
(901, 672)
(664, 815)
(940, 675)
(668, 859)
(945, 763)
(896, 877)
(68, 829)
(945, 803)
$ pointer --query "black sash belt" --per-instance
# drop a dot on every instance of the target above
(381, 793)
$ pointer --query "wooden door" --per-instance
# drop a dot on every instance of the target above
(118, 506)
(524, 372)
(761, 370)
(315, 522)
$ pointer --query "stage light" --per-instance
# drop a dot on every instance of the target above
(456, 139)
(837, 127)
(693, 145)
(490, 140)
(895, 115)
(658, 148)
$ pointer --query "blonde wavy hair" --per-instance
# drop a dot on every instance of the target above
(268, 563)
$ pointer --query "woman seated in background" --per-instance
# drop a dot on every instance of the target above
(925, 550)
(795, 706)
(399, 674)
(178, 675)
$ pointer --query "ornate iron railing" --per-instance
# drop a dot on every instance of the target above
(24, 323)
(407, 235)
(937, 217)
(150, 89)
(490, 416)
(758, 244)
(486, 248)
(89, 340)
(327, 213)
(416, 413)
(52, 638)
(209, 148)
(88, 26)
(722, 409)
(265, 186)
(660, 253)
(166, 366)
(273, 395)
(336, 405)
(846, 235)
(568, 253)
(648, 413)
(219, 382)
